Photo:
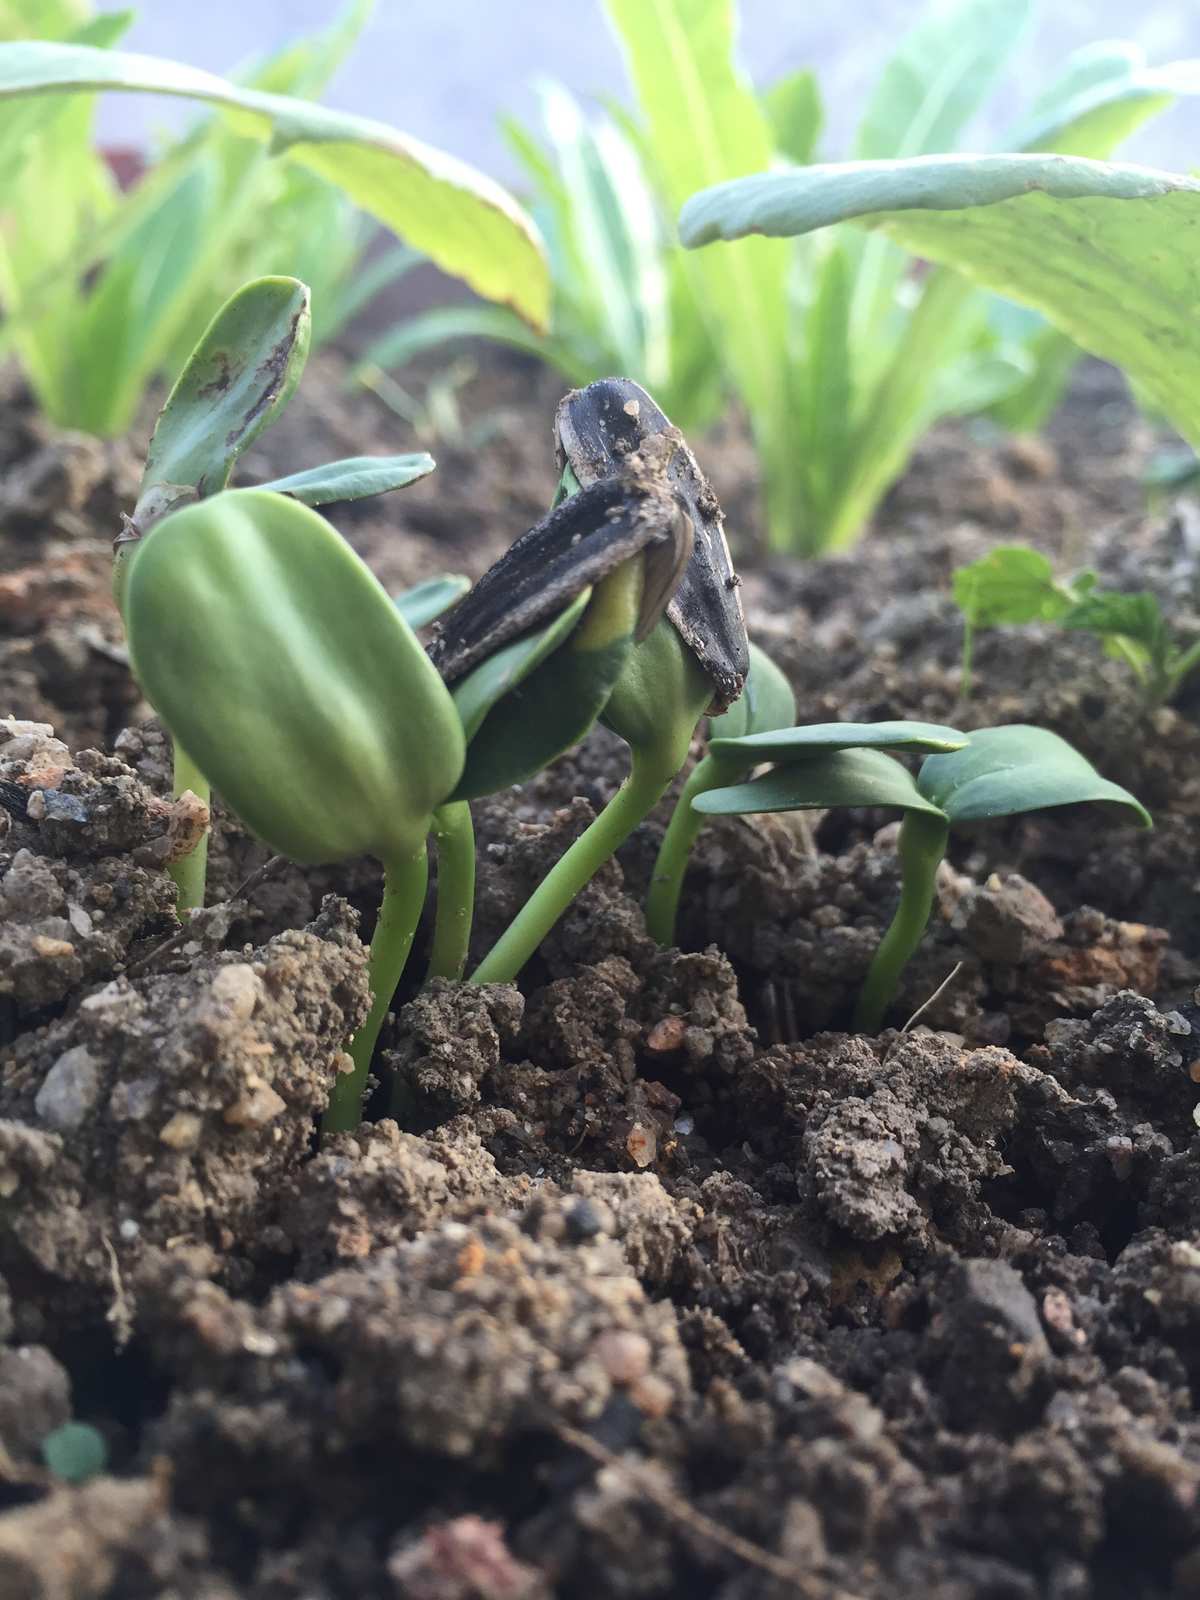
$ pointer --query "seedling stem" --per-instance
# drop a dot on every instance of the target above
(188, 873)
(645, 786)
(921, 848)
(455, 889)
(666, 884)
(404, 885)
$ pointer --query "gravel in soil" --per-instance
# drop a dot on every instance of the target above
(669, 1286)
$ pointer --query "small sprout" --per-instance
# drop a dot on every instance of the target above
(1014, 584)
(75, 1452)
(996, 772)
(279, 663)
(694, 659)
(766, 703)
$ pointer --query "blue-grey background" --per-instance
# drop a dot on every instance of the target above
(445, 70)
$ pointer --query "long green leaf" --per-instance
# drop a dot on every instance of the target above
(467, 224)
(704, 124)
(1104, 94)
(940, 75)
(355, 478)
(1107, 252)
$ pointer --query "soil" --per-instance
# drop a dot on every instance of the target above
(670, 1286)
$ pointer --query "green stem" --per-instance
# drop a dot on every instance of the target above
(190, 872)
(455, 889)
(404, 885)
(638, 795)
(666, 881)
(921, 847)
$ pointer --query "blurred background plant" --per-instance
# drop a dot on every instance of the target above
(106, 285)
(840, 349)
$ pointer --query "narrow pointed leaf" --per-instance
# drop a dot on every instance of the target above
(355, 478)
(425, 602)
(1105, 93)
(942, 71)
(237, 380)
(839, 778)
(1104, 251)
(799, 744)
(1004, 771)
(468, 225)
(290, 678)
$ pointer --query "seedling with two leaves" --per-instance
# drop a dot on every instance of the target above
(237, 381)
(1015, 584)
(300, 690)
(995, 772)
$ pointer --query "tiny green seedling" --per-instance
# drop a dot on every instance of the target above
(996, 772)
(237, 381)
(1014, 584)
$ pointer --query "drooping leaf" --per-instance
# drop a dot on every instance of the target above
(799, 744)
(1002, 772)
(291, 679)
(1103, 250)
(355, 478)
(1014, 583)
(836, 778)
(939, 76)
(765, 703)
(238, 379)
(425, 602)
(467, 224)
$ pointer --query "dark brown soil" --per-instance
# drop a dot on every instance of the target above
(670, 1287)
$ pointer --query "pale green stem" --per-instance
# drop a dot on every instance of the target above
(404, 885)
(455, 889)
(921, 849)
(190, 872)
(634, 800)
(666, 881)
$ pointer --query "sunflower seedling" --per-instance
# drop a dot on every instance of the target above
(694, 657)
(1014, 584)
(278, 662)
(237, 381)
(996, 772)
